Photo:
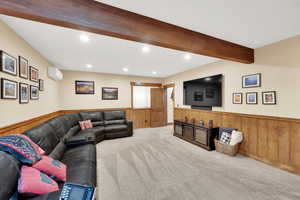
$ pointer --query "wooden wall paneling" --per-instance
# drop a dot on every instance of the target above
(295, 146)
(262, 150)
(284, 132)
(272, 140)
(250, 130)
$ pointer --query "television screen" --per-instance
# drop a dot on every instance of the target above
(204, 92)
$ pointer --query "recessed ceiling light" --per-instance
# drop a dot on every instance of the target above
(154, 72)
(89, 66)
(187, 56)
(146, 49)
(125, 69)
(84, 38)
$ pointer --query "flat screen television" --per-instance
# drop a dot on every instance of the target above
(203, 93)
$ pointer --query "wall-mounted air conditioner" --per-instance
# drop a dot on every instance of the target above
(55, 74)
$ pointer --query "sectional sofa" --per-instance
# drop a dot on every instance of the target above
(81, 162)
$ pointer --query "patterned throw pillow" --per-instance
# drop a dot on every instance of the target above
(225, 137)
(20, 148)
(34, 182)
(52, 168)
(85, 124)
(36, 147)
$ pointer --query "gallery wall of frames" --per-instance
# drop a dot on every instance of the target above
(254, 81)
(11, 89)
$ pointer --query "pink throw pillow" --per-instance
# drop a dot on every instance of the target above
(34, 182)
(35, 146)
(86, 124)
(52, 168)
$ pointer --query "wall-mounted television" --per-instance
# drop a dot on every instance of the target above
(203, 93)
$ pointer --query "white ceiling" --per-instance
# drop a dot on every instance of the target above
(252, 23)
(64, 49)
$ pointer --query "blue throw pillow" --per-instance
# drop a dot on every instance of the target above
(20, 148)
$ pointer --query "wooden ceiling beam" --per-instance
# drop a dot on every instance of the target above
(95, 17)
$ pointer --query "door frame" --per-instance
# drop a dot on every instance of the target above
(166, 86)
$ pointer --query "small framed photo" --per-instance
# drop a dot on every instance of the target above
(251, 81)
(269, 98)
(251, 98)
(8, 63)
(41, 85)
(237, 98)
(34, 74)
(34, 92)
(23, 67)
(109, 93)
(23, 93)
(9, 89)
(85, 87)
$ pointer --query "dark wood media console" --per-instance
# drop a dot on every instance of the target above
(193, 133)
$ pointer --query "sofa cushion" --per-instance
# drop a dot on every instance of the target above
(58, 151)
(80, 154)
(93, 116)
(9, 174)
(93, 132)
(115, 128)
(114, 115)
(72, 119)
(111, 122)
(98, 123)
(44, 136)
(83, 173)
(32, 181)
(119, 134)
(73, 131)
(60, 125)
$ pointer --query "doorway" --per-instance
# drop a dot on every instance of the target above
(170, 103)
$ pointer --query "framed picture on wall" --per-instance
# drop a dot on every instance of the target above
(41, 85)
(34, 92)
(269, 98)
(23, 93)
(251, 98)
(34, 74)
(8, 63)
(9, 89)
(109, 93)
(251, 81)
(237, 98)
(23, 67)
(84, 87)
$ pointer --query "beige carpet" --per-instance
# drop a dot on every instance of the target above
(154, 165)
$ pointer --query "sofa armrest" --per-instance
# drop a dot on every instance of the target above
(130, 126)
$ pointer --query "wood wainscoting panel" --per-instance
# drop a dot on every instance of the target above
(272, 140)
(20, 127)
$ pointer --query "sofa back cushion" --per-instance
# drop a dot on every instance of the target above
(93, 116)
(9, 174)
(114, 115)
(43, 135)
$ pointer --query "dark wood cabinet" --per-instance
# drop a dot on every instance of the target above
(199, 135)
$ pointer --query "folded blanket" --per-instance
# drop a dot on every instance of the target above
(236, 137)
